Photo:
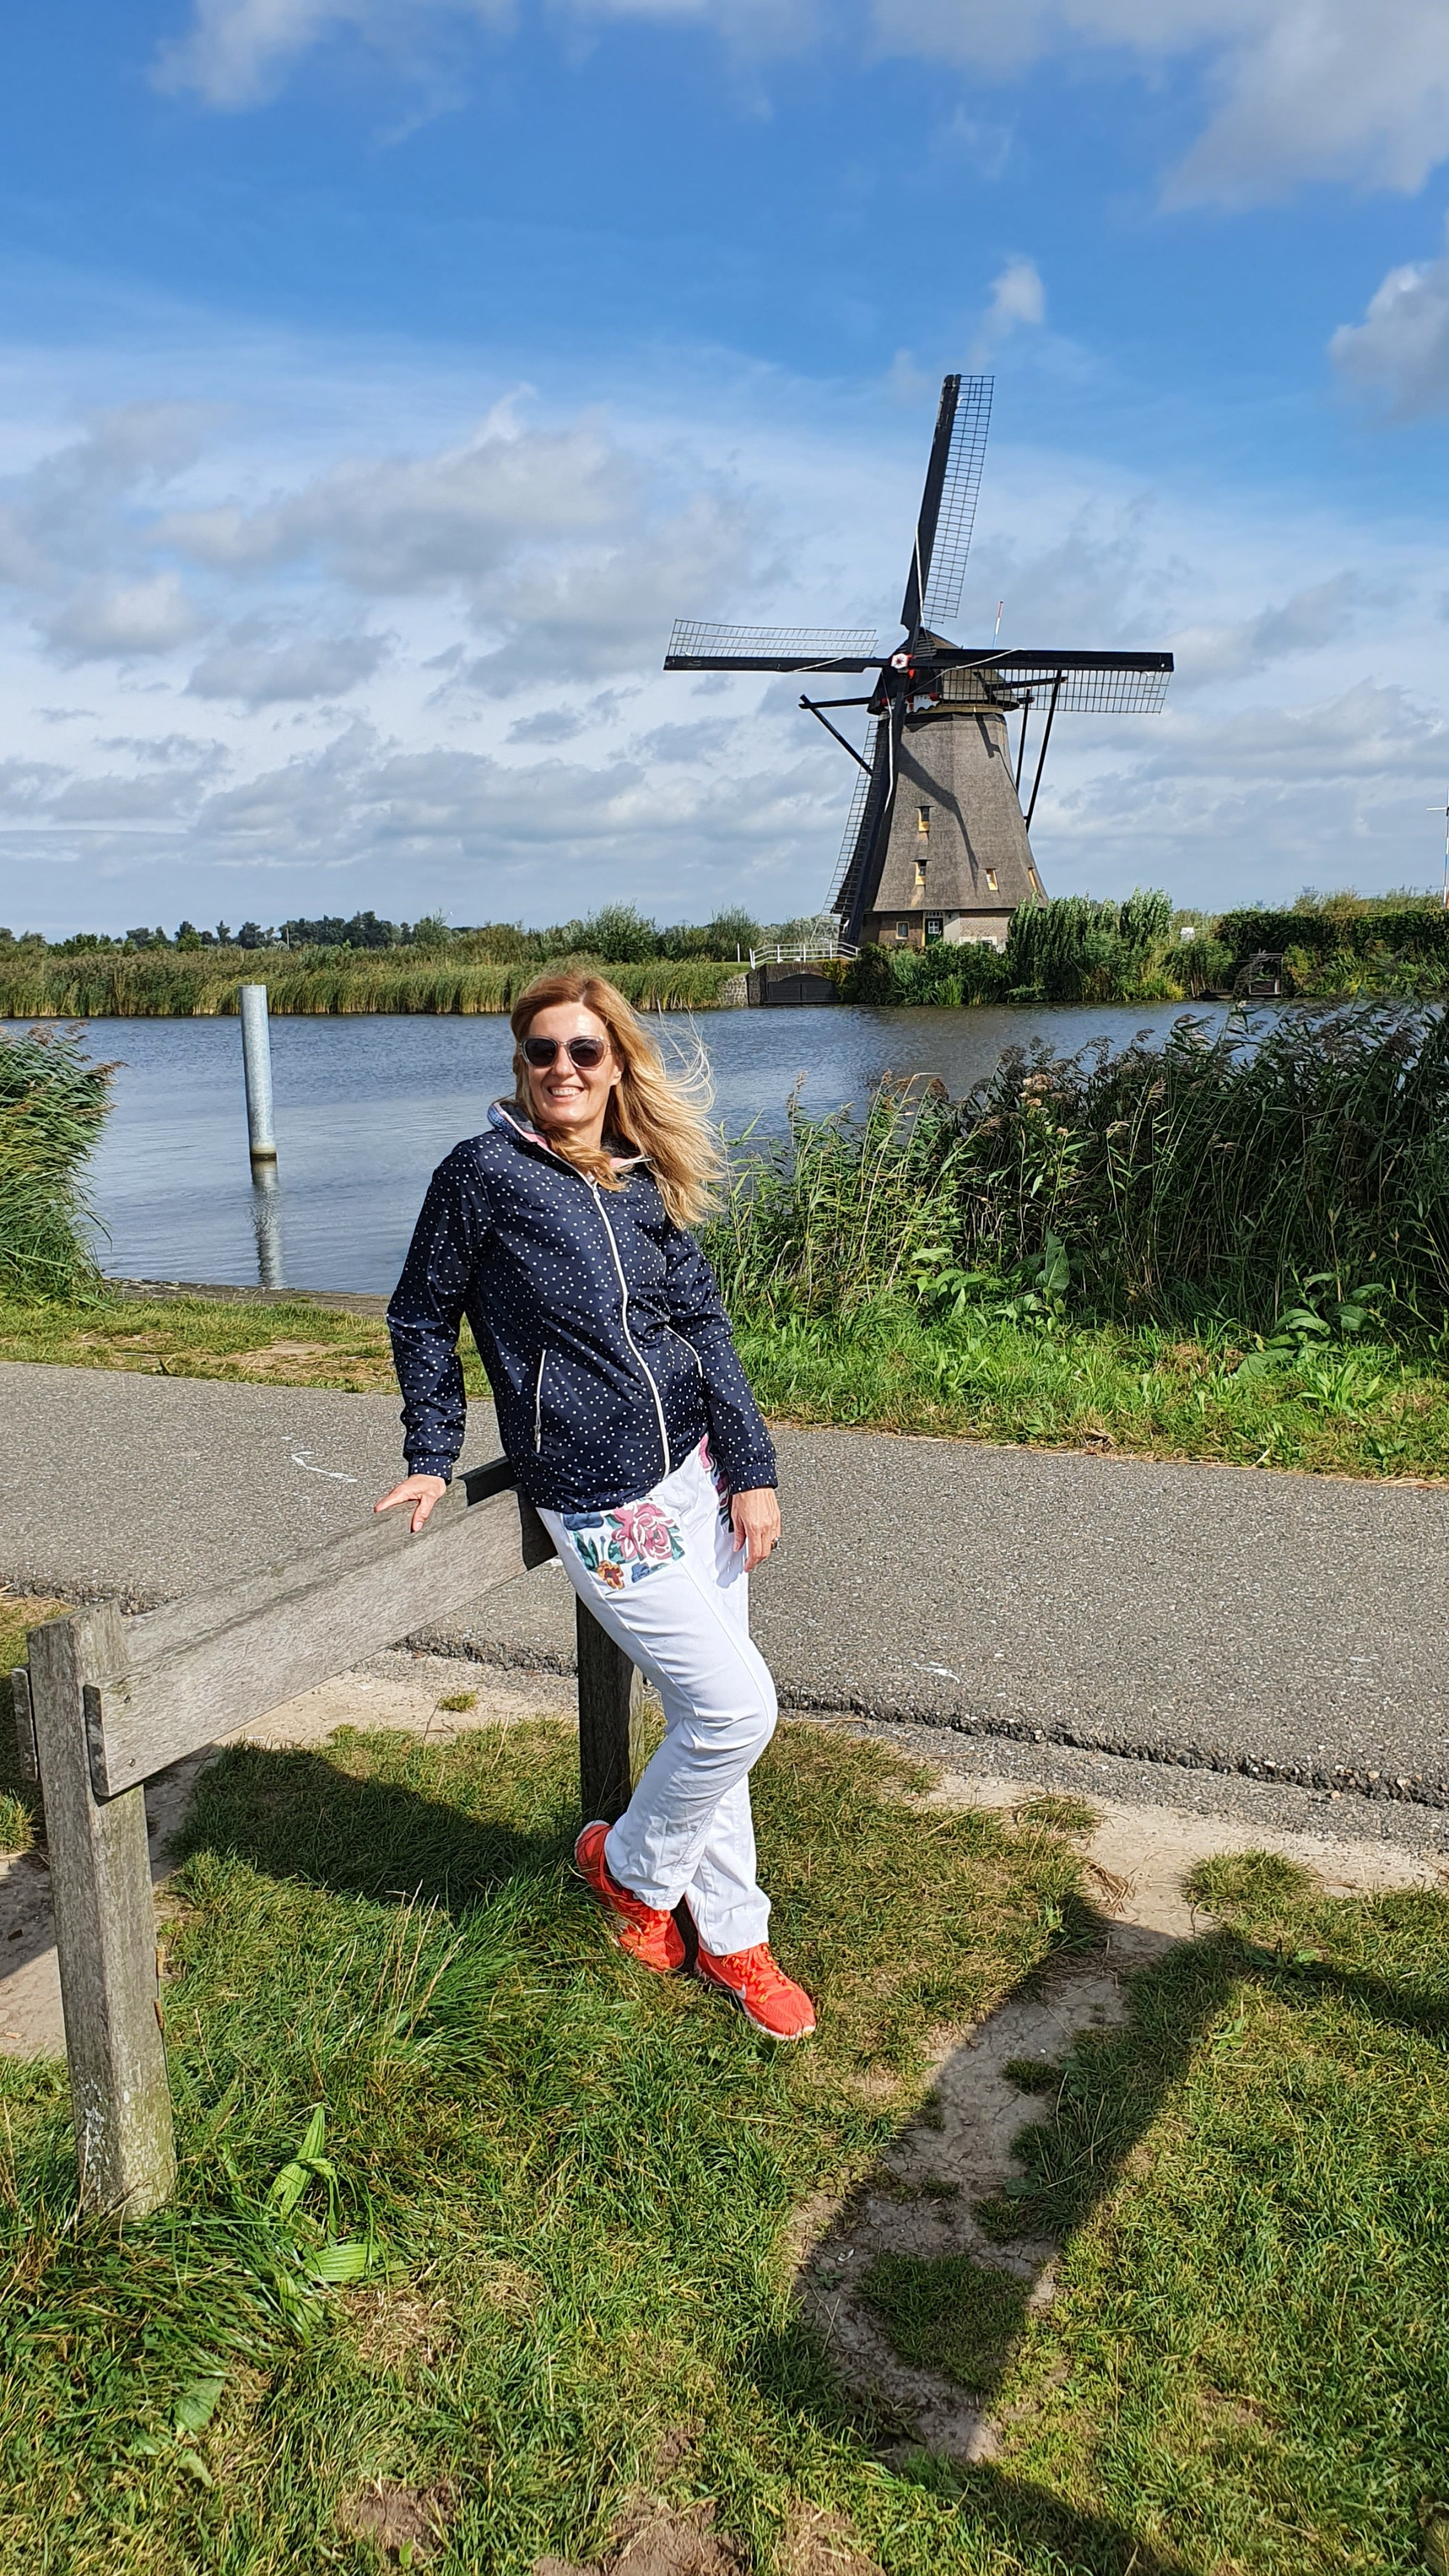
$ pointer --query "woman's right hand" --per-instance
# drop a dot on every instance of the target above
(421, 1491)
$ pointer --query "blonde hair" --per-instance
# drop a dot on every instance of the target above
(661, 1114)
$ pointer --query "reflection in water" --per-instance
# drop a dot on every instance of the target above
(267, 1220)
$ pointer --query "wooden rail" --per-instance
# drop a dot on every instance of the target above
(105, 1703)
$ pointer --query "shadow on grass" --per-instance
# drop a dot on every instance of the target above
(306, 1817)
(1110, 2088)
(303, 1816)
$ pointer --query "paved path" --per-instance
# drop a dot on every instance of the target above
(1227, 1618)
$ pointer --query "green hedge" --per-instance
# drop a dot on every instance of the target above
(1419, 931)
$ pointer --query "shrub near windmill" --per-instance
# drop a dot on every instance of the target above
(936, 844)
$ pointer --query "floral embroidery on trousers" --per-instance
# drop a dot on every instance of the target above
(624, 1545)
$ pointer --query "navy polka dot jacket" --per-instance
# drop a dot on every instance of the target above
(598, 1321)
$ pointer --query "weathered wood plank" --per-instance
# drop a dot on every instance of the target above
(203, 1667)
(105, 1929)
(609, 1696)
(26, 1758)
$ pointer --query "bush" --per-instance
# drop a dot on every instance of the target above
(1226, 1176)
(1075, 950)
(51, 1106)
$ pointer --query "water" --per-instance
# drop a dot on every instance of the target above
(365, 1107)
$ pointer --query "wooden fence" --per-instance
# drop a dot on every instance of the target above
(105, 1703)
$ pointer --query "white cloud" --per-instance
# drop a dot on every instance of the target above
(1017, 296)
(1400, 350)
(420, 524)
(256, 665)
(1296, 91)
(1320, 615)
(516, 742)
(105, 619)
(239, 52)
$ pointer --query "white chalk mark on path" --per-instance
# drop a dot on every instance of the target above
(303, 1458)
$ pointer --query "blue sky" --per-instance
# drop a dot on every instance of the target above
(378, 378)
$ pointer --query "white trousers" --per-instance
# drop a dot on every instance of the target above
(665, 1579)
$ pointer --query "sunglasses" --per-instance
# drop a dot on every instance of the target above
(586, 1053)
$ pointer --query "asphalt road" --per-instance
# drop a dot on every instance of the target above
(1235, 1620)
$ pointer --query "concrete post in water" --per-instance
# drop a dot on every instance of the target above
(257, 1070)
(267, 1220)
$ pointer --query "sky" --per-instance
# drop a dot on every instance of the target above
(379, 379)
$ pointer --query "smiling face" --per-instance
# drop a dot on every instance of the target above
(572, 1099)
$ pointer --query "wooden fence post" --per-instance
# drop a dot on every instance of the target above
(105, 1925)
(609, 1694)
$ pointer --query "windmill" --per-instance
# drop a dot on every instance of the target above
(936, 844)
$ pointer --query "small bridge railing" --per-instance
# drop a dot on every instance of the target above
(802, 952)
(104, 1703)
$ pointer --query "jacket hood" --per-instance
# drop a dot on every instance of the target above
(513, 1120)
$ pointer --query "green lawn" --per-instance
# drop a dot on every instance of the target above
(1360, 1410)
(553, 2194)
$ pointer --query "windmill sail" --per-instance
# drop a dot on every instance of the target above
(948, 502)
(695, 646)
(1098, 684)
(937, 845)
(850, 840)
(957, 514)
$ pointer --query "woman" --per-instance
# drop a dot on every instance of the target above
(560, 1233)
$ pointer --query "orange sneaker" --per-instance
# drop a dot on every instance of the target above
(765, 1995)
(645, 1931)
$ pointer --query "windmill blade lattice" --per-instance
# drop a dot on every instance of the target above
(1099, 684)
(697, 646)
(850, 837)
(957, 514)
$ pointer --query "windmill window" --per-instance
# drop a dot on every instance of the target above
(903, 930)
(1035, 880)
(920, 873)
(923, 818)
(991, 879)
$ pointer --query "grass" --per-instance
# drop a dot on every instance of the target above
(892, 1366)
(35, 984)
(570, 2183)
(949, 2314)
(19, 1802)
(553, 2198)
(1246, 2351)
(1295, 1168)
(52, 1103)
(291, 1343)
(1370, 1410)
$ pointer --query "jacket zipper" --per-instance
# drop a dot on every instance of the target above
(624, 1320)
(687, 1345)
(538, 1402)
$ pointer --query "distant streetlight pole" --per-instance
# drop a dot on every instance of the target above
(257, 1074)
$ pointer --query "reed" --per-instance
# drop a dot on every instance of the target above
(147, 984)
(1223, 1176)
(51, 1106)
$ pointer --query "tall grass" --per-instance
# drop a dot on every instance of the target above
(1216, 1175)
(52, 1103)
(148, 984)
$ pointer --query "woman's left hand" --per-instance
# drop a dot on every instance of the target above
(756, 1519)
